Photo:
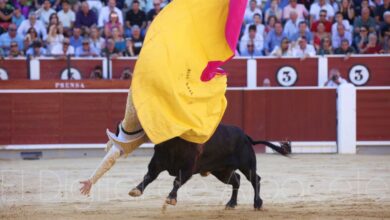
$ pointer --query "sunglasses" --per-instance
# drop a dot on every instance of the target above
(323, 15)
(14, 45)
(363, 30)
(66, 44)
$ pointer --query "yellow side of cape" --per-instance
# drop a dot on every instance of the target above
(169, 96)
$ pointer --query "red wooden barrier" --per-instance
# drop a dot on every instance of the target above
(49, 118)
(15, 68)
(373, 118)
(236, 70)
(118, 65)
(53, 68)
(377, 67)
(306, 71)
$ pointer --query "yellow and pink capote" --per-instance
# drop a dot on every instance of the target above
(178, 88)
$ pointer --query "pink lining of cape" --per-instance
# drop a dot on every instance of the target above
(232, 31)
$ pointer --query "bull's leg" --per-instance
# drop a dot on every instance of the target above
(154, 169)
(252, 176)
(232, 178)
(183, 177)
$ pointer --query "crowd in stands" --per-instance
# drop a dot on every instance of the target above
(115, 28)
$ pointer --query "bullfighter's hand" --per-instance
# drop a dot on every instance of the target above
(86, 188)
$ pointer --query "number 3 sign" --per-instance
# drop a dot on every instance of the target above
(286, 76)
(359, 75)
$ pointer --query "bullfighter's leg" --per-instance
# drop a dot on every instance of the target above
(232, 178)
(183, 177)
(154, 169)
(252, 176)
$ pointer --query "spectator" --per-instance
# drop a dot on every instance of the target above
(85, 18)
(325, 47)
(252, 44)
(303, 31)
(86, 50)
(274, 38)
(39, 3)
(328, 24)
(341, 34)
(386, 46)
(10, 37)
(385, 26)
(54, 20)
(299, 9)
(135, 17)
(372, 47)
(334, 79)
(24, 6)
(362, 38)
(120, 43)
(303, 49)
(317, 8)
(126, 74)
(347, 10)
(54, 37)
(306, 3)
(104, 15)
(363, 4)
(260, 28)
(154, 12)
(281, 4)
(250, 11)
(17, 17)
(284, 49)
(320, 35)
(136, 40)
(76, 39)
(32, 22)
(36, 50)
(109, 50)
(274, 10)
(63, 50)
(381, 9)
(96, 42)
(292, 25)
(340, 20)
(270, 24)
(364, 20)
(129, 52)
(14, 51)
(45, 11)
(32, 36)
(6, 12)
(66, 15)
(113, 23)
(96, 6)
(345, 48)
(97, 73)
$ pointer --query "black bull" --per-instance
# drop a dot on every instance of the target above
(227, 150)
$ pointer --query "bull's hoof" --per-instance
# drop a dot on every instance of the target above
(171, 201)
(135, 192)
(258, 204)
(230, 205)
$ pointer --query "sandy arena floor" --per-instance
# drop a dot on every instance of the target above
(303, 187)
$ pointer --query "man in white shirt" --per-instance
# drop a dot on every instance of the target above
(63, 49)
(259, 26)
(32, 22)
(300, 9)
(292, 25)
(303, 49)
(317, 7)
(340, 20)
(334, 79)
(104, 15)
(45, 11)
(249, 12)
(341, 35)
(66, 15)
(254, 40)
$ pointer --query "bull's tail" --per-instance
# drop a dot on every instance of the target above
(284, 148)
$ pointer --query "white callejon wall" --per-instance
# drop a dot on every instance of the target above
(322, 70)
(251, 73)
(346, 119)
(35, 69)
